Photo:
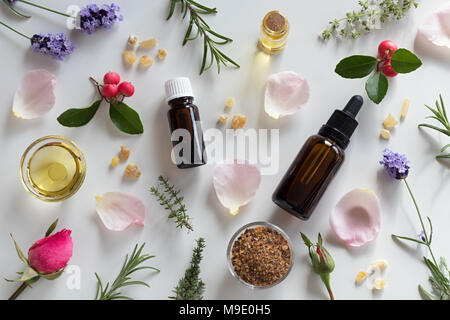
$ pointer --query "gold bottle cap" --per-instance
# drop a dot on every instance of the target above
(275, 21)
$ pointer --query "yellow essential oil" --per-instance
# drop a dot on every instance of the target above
(274, 32)
(53, 168)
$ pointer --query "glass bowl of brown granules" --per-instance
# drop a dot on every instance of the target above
(259, 255)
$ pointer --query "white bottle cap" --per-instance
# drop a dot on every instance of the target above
(177, 88)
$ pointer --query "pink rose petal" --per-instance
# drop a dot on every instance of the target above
(236, 183)
(356, 218)
(436, 28)
(35, 96)
(286, 92)
(119, 210)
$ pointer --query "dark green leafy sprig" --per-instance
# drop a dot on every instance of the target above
(211, 39)
(364, 20)
(440, 115)
(170, 199)
(191, 287)
(359, 66)
(131, 265)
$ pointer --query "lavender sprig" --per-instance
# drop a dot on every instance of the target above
(91, 17)
(56, 46)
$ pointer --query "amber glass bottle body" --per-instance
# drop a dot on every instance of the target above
(308, 176)
(184, 123)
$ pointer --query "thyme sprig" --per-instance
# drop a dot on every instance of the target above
(211, 39)
(131, 264)
(170, 199)
(440, 115)
(366, 19)
(191, 287)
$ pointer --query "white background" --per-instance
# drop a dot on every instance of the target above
(98, 250)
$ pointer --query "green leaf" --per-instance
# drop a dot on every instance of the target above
(356, 66)
(125, 118)
(19, 252)
(427, 294)
(78, 117)
(51, 228)
(376, 87)
(307, 242)
(404, 61)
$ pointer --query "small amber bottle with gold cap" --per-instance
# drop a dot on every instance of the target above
(274, 32)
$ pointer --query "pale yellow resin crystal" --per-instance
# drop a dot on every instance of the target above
(146, 61)
(162, 53)
(379, 284)
(230, 102)
(223, 118)
(390, 122)
(150, 43)
(114, 161)
(405, 108)
(385, 134)
(129, 56)
(360, 276)
(238, 121)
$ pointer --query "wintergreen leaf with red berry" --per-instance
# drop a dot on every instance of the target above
(112, 91)
(390, 62)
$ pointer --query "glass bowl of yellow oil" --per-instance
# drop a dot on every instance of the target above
(52, 168)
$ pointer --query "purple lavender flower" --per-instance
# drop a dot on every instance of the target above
(93, 17)
(55, 45)
(421, 236)
(395, 164)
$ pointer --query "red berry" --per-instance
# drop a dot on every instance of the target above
(126, 88)
(110, 90)
(386, 49)
(387, 69)
(111, 78)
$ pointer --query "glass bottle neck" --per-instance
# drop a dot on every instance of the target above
(181, 102)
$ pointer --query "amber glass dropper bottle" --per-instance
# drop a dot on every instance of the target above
(317, 162)
(185, 126)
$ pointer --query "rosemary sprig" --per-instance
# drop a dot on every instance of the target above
(364, 20)
(191, 287)
(131, 265)
(440, 115)
(211, 39)
(169, 198)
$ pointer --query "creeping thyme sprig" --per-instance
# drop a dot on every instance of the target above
(211, 39)
(169, 198)
(131, 264)
(191, 287)
(440, 115)
(364, 20)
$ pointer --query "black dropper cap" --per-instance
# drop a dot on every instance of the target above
(342, 123)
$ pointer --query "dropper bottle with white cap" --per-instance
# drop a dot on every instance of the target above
(185, 127)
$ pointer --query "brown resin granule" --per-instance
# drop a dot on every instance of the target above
(275, 21)
(261, 256)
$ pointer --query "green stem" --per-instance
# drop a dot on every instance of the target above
(326, 280)
(45, 8)
(19, 33)
(421, 223)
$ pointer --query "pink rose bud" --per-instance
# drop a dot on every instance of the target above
(51, 253)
